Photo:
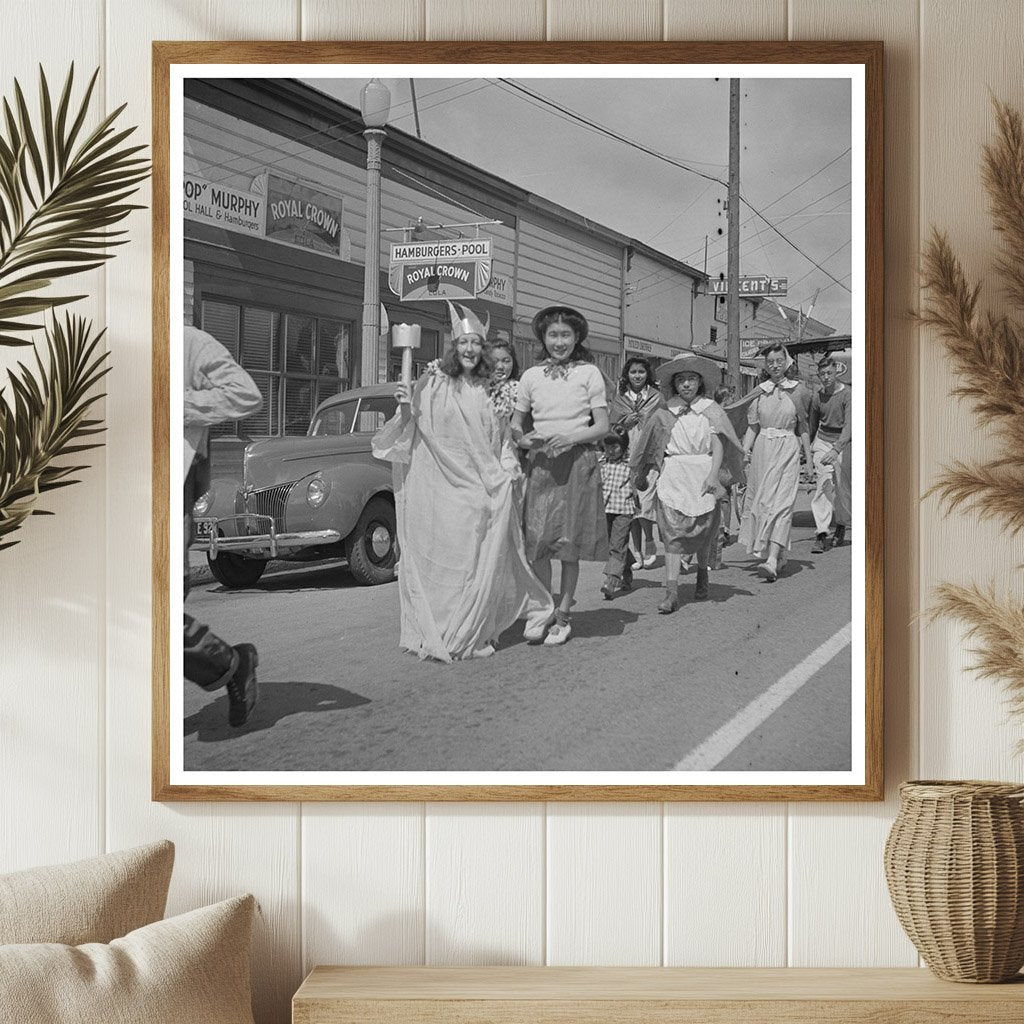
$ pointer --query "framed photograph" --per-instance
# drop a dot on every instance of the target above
(517, 421)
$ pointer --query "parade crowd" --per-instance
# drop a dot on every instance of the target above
(498, 476)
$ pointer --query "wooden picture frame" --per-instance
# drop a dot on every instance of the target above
(172, 62)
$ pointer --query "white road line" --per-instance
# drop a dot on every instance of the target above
(721, 743)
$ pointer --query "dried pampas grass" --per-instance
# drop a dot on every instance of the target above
(987, 353)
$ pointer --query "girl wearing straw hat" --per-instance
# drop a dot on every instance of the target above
(686, 442)
(564, 516)
(465, 577)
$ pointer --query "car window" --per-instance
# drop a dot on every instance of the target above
(375, 412)
(334, 421)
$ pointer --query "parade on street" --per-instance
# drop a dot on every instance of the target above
(634, 690)
(493, 464)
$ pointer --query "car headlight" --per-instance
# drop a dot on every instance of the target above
(316, 492)
(203, 503)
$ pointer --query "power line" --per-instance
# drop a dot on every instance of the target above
(332, 132)
(609, 132)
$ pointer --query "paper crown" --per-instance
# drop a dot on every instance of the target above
(465, 321)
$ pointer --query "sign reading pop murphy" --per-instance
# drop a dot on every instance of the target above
(458, 268)
(224, 207)
(304, 216)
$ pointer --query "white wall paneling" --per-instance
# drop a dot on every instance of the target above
(964, 728)
(835, 854)
(485, 883)
(738, 849)
(484, 19)
(383, 19)
(740, 19)
(227, 848)
(579, 19)
(511, 883)
(52, 616)
(604, 884)
(363, 892)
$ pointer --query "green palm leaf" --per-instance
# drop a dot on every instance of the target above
(62, 190)
(46, 418)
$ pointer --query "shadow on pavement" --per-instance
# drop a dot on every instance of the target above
(294, 581)
(793, 567)
(277, 701)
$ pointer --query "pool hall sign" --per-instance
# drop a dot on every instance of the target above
(457, 268)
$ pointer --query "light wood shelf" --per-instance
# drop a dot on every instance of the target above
(643, 995)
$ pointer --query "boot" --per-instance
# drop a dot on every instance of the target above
(627, 581)
(821, 544)
(243, 690)
(839, 537)
(610, 586)
(700, 591)
(671, 600)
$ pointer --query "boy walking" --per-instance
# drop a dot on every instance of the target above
(620, 505)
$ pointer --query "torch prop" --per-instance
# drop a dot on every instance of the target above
(406, 337)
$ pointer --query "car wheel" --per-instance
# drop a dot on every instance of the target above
(233, 570)
(371, 545)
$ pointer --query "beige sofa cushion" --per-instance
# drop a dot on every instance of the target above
(93, 900)
(191, 969)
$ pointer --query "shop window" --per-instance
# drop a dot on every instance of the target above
(296, 361)
(221, 320)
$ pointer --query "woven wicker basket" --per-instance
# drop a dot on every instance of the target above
(954, 861)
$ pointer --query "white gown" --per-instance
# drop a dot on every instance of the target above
(464, 577)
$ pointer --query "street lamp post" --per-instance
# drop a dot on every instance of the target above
(374, 105)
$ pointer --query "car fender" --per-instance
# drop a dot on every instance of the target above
(350, 485)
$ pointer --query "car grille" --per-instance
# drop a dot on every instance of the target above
(271, 501)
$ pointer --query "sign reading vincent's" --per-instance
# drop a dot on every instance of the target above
(307, 217)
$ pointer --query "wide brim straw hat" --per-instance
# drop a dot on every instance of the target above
(689, 362)
(559, 308)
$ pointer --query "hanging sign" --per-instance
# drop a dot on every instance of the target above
(457, 268)
(303, 216)
(211, 203)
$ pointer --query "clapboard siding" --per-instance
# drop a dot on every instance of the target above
(562, 265)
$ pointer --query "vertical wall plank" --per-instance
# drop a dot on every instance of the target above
(51, 582)
(966, 732)
(362, 884)
(221, 849)
(604, 884)
(740, 19)
(836, 851)
(484, 19)
(578, 19)
(485, 884)
(725, 885)
(384, 19)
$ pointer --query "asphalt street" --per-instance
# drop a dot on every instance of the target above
(745, 681)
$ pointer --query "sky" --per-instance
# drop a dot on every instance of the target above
(795, 163)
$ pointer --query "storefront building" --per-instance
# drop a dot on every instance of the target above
(275, 214)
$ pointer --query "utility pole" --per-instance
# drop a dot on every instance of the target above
(733, 301)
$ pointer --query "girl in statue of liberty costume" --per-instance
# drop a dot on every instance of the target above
(464, 576)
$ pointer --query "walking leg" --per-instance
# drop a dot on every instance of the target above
(671, 599)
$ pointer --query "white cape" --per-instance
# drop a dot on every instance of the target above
(463, 576)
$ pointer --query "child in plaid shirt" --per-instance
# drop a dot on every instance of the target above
(620, 505)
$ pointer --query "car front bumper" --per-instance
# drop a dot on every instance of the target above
(255, 534)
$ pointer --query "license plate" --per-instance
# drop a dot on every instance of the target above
(204, 527)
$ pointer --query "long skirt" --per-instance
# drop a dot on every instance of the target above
(688, 535)
(564, 515)
(773, 482)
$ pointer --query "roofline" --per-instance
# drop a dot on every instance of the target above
(311, 100)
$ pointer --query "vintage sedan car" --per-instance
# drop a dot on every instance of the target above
(308, 498)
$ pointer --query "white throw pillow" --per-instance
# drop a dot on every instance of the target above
(92, 900)
(190, 969)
